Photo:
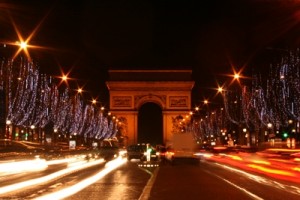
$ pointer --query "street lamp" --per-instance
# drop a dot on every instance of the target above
(246, 136)
(79, 90)
(269, 125)
(54, 135)
(32, 132)
(8, 124)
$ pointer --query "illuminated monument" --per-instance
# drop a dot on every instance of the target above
(131, 89)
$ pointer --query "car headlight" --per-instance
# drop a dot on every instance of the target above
(122, 152)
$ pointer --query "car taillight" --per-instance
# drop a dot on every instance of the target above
(162, 153)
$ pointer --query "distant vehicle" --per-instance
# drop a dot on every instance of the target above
(107, 149)
(182, 147)
(141, 151)
(162, 150)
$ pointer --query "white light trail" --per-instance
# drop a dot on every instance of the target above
(110, 166)
(13, 167)
(49, 177)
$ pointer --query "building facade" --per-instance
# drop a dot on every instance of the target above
(131, 89)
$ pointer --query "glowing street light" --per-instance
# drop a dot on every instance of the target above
(236, 76)
(32, 132)
(23, 45)
(269, 125)
(79, 90)
(220, 89)
(64, 78)
(8, 128)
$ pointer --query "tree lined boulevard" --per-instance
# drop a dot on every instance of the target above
(58, 140)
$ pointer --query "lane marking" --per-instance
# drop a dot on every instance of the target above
(254, 196)
(147, 189)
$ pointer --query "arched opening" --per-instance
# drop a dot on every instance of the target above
(150, 124)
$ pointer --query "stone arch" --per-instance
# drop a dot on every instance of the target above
(150, 98)
(150, 123)
(129, 90)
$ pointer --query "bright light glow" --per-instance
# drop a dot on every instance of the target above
(269, 125)
(220, 89)
(109, 167)
(60, 161)
(11, 167)
(20, 185)
(235, 157)
(261, 162)
(272, 171)
(64, 78)
(262, 180)
(236, 76)
(23, 45)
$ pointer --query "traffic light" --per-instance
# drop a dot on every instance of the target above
(285, 134)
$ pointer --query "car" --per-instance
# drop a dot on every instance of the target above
(162, 150)
(143, 152)
(107, 149)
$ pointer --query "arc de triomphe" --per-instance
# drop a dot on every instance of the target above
(130, 89)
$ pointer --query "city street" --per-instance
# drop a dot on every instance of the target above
(149, 100)
(217, 176)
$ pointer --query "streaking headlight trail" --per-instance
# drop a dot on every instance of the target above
(110, 166)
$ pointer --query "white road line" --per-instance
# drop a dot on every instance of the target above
(254, 196)
(147, 189)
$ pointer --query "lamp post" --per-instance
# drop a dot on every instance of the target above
(54, 135)
(8, 128)
(32, 132)
(246, 136)
(269, 125)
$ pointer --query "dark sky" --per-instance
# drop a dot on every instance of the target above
(209, 37)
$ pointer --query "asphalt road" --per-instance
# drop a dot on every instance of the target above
(212, 181)
(184, 180)
(188, 181)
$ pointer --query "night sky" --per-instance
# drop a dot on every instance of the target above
(86, 38)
